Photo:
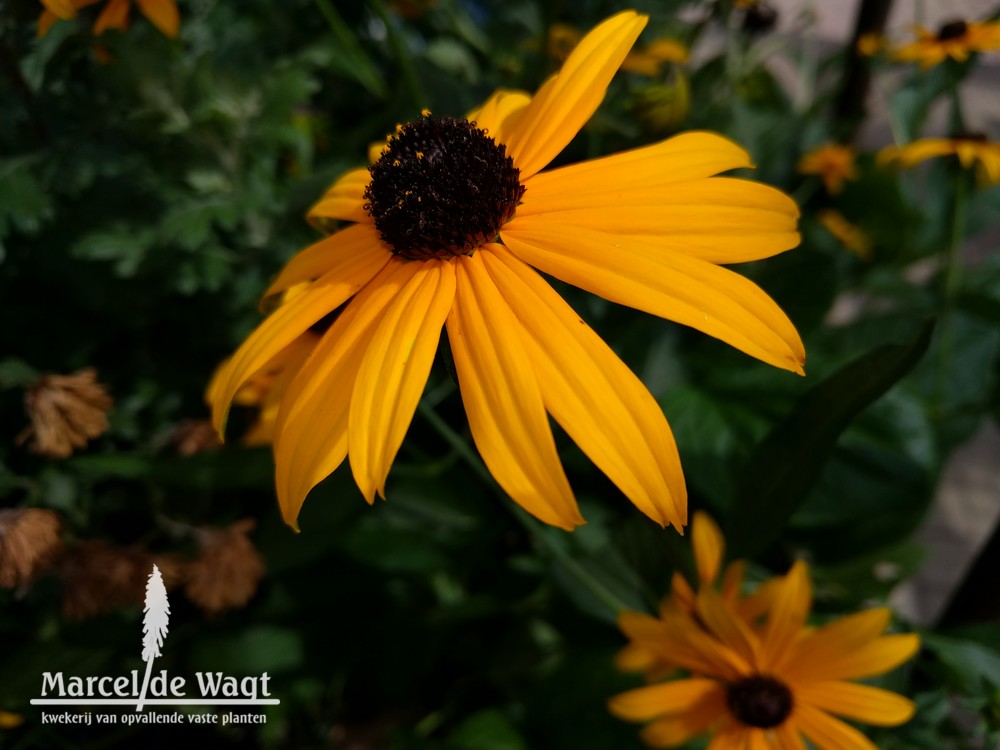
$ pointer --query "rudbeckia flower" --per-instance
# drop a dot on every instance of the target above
(448, 228)
(833, 163)
(970, 148)
(162, 14)
(644, 652)
(955, 39)
(769, 687)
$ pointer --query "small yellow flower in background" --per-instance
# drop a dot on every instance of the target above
(972, 149)
(955, 39)
(10, 720)
(65, 411)
(649, 60)
(663, 105)
(447, 229)
(768, 686)
(163, 14)
(833, 162)
(563, 39)
(850, 236)
(871, 44)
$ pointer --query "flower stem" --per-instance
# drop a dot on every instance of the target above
(558, 551)
(951, 280)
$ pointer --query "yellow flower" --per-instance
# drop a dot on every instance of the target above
(955, 39)
(650, 59)
(970, 148)
(448, 225)
(850, 236)
(766, 687)
(871, 44)
(644, 652)
(162, 14)
(833, 162)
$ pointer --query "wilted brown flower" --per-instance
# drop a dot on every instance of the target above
(96, 576)
(28, 538)
(227, 570)
(66, 411)
(195, 436)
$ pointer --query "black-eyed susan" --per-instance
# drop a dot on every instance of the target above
(650, 59)
(972, 150)
(771, 686)
(851, 236)
(163, 14)
(448, 227)
(956, 39)
(644, 652)
(833, 163)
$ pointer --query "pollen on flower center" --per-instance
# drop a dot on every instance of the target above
(952, 30)
(442, 187)
(759, 701)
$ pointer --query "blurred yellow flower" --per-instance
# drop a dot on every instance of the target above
(449, 225)
(850, 236)
(162, 14)
(649, 60)
(563, 39)
(871, 44)
(955, 39)
(833, 162)
(972, 149)
(644, 652)
(766, 687)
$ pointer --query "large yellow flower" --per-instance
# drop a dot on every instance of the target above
(448, 224)
(761, 688)
(161, 13)
(956, 39)
(971, 149)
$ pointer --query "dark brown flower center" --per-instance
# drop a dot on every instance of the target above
(441, 188)
(972, 137)
(952, 30)
(759, 701)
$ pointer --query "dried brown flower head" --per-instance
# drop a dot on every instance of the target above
(66, 411)
(28, 539)
(97, 577)
(227, 570)
(195, 436)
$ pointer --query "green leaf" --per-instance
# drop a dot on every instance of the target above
(486, 730)
(788, 461)
(24, 202)
(125, 246)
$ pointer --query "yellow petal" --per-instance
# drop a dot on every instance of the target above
(163, 15)
(62, 9)
(693, 648)
(45, 22)
(603, 406)
(867, 660)
(864, 703)
(394, 372)
(787, 737)
(676, 730)
(734, 737)
(714, 300)
(499, 115)
(732, 631)
(666, 698)
(683, 158)
(916, 152)
(709, 547)
(503, 401)
(842, 636)
(344, 200)
(347, 274)
(114, 16)
(788, 615)
(567, 100)
(828, 733)
(311, 425)
(349, 251)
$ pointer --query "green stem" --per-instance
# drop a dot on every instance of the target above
(471, 458)
(364, 69)
(951, 281)
(403, 58)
